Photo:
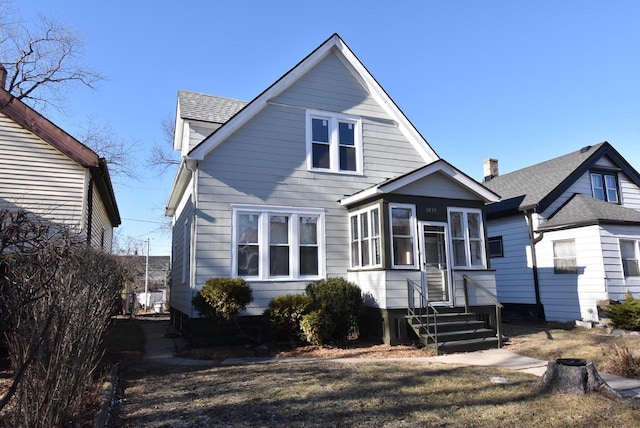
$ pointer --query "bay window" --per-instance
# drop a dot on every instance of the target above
(365, 238)
(277, 243)
(403, 242)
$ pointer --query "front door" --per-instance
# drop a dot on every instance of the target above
(435, 266)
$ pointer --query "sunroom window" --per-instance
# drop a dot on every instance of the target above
(277, 243)
(467, 237)
(604, 186)
(334, 142)
(403, 242)
(365, 238)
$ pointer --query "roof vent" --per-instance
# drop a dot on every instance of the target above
(585, 149)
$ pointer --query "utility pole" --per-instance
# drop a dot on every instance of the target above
(146, 280)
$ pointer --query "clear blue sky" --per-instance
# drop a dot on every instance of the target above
(518, 81)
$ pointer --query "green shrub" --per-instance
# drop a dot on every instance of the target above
(625, 315)
(341, 301)
(286, 312)
(223, 298)
(317, 327)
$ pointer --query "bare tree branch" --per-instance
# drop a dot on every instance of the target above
(162, 157)
(119, 154)
(42, 61)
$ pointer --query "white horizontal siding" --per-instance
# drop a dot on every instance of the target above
(630, 192)
(567, 297)
(372, 285)
(617, 284)
(582, 185)
(37, 177)
(514, 274)
(101, 229)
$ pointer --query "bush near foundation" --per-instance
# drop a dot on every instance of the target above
(625, 315)
(286, 312)
(223, 298)
(341, 301)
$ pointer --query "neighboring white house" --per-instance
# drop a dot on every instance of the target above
(565, 235)
(47, 172)
(321, 175)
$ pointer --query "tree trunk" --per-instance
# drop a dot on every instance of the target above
(574, 376)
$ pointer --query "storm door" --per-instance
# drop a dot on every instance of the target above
(435, 267)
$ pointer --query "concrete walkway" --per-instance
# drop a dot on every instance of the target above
(162, 344)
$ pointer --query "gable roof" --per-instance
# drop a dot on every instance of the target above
(207, 108)
(439, 166)
(353, 64)
(42, 127)
(537, 186)
(581, 210)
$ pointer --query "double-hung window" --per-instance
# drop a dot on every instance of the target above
(604, 186)
(334, 142)
(277, 243)
(365, 238)
(629, 256)
(467, 237)
(564, 256)
(403, 240)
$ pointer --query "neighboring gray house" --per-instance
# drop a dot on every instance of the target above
(320, 176)
(565, 235)
(47, 172)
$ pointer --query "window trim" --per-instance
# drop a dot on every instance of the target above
(636, 259)
(357, 215)
(603, 174)
(467, 238)
(414, 228)
(186, 249)
(556, 268)
(334, 142)
(264, 212)
(500, 241)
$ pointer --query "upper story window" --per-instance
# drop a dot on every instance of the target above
(277, 243)
(604, 186)
(334, 142)
(403, 240)
(467, 237)
(564, 256)
(365, 238)
(629, 256)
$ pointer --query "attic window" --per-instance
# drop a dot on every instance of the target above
(334, 142)
(604, 186)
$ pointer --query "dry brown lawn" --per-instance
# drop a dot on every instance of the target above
(375, 393)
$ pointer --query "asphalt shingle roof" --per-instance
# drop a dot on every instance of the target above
(530, 185)
(582, 210)
(208, 108)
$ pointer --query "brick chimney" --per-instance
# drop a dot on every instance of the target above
(490, 167)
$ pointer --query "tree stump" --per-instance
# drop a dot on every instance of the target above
(574, 376)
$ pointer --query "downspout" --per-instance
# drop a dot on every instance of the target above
(534, 262)
(89, 209)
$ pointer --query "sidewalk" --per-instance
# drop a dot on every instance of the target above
(161, 346)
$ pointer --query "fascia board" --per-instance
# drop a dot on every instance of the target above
(255, 106)
(455, 174)
(177, 190)
(386, 103)
(178, 132)
(360, 196)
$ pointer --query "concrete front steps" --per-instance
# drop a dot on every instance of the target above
(456, 332)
